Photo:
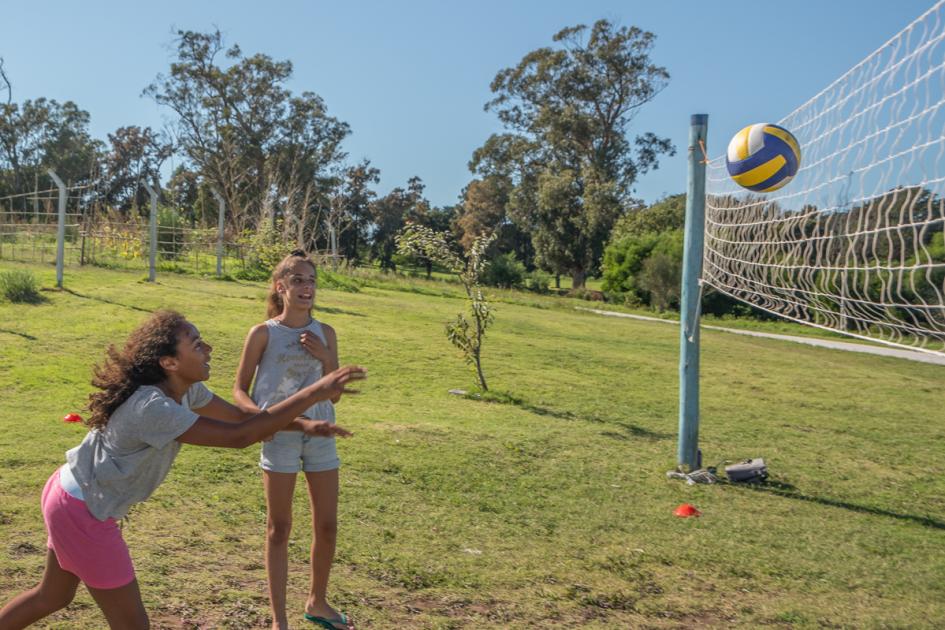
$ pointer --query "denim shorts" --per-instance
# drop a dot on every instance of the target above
(293, 451)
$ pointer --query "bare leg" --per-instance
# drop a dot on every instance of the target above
(279, 489)
(53, 593)
(122, 606)
(323, 494)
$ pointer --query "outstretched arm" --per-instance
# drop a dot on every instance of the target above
(219, 409)
(212, 432)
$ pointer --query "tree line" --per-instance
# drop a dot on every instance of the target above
(550, 186)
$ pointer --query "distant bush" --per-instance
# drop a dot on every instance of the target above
(538, 281)
(253, 273)
(170, 233)
(19, 285)
(623, 265)
(661, 275)
(505, 271)
(265, 247)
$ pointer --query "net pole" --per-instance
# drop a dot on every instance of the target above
(688, 455)
(61, 228)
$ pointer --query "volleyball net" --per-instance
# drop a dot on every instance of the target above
(856, 242)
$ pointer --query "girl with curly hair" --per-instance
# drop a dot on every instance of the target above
(151, 401)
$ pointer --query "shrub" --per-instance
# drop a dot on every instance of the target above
(19, 286)
(505, 271)
(264, 249)
(170, 233)
(538, 281)
(623, 263)
(645, 269)
(661, 275)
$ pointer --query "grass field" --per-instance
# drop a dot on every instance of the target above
(547, 510)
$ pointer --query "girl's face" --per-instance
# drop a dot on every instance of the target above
(297, 286)
(192, 362)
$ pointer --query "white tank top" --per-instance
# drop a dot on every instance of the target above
(286, 367)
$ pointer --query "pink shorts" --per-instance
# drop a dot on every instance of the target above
(91, 549)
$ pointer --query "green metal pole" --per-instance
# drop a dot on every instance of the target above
(689, 457)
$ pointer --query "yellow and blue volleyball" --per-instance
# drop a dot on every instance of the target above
(763, 157)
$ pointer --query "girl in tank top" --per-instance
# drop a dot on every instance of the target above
(284, 353)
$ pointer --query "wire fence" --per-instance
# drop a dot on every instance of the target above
(35, 226)
(95, 237)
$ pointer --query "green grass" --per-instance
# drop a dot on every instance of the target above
(548, 508)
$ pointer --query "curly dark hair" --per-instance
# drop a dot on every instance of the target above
(121, 373)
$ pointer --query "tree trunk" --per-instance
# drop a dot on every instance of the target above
(429, 264)
(557, 280)
(578, 276)
(482, 377)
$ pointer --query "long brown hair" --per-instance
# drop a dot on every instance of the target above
(274, 304)
(121, 373)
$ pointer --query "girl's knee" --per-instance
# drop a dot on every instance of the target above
(277, 531)
(326, 529)
(55, 599)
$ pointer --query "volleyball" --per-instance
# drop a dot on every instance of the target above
(763, 157)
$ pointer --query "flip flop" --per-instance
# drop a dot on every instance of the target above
(330, 623)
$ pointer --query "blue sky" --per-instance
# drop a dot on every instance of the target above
(411, 77)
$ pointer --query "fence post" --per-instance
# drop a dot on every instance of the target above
(221, 217)
(333, 237)
(61, 229)
(688, 455)
(153, 230)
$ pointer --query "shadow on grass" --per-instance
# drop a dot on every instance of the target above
(626, 430)
(104, 300)
(789, 491)
(634, 431)
(18, 334)
(32, 297)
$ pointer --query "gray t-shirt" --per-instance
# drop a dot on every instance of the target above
(124, 463)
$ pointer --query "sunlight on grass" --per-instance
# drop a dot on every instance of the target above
(543, 504)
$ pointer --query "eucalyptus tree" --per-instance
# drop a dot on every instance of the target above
(40, 134)
(243, 130)
(134, 154)
(567, 111)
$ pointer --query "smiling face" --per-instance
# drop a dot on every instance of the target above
(297, 286)
(192, 363)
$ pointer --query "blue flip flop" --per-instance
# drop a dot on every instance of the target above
(330, 624)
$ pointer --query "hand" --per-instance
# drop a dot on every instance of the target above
(323, 428)
(311, 342)
(332, 385)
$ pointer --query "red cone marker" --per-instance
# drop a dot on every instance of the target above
(72, 417)
(685, 510)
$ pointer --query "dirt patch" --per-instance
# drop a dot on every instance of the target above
(24, 549)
